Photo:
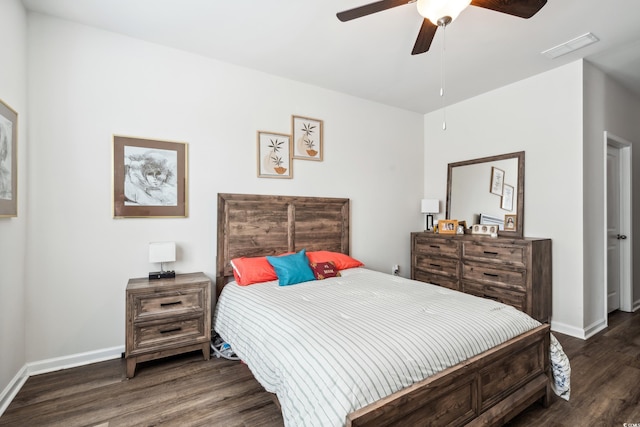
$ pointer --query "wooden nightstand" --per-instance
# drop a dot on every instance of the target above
(167, 317)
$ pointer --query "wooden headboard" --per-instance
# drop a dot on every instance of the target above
(258, 225)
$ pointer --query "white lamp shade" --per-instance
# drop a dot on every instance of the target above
(433, 10)
(162, 252)
(431, 206)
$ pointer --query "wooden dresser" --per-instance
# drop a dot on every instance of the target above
(167, 317)
(510, 270)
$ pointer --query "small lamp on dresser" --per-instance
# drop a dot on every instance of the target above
(430, 207)
(162, 252)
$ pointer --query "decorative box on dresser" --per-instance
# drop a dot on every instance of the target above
(167, 317)
(515, 271)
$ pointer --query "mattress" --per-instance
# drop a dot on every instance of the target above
(329, 347)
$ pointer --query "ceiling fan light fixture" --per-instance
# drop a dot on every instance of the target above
(437, 10)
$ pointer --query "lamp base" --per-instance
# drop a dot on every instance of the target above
(162, 275)
(429, 223)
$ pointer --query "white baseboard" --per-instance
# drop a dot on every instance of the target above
(13, 388)
(595, 327)
(570, 330)
(71, 361)
(54, 364)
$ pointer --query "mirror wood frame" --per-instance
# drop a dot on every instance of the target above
(519, 231)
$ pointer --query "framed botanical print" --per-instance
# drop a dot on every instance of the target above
(307, 138)
(8, 161)
(149, 178)
(274, 155)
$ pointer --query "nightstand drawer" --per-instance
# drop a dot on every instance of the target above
(155, 334)
(168, 302)
(436, 247)
(504, 254)
(515, 279)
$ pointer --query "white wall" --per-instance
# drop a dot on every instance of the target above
(607, 107)
(13, 231)
(542, 116)
(86, 84)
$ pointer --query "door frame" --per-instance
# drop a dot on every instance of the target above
(626, 214)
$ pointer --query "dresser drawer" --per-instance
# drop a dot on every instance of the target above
(512, 298)
(168, 302)
(442, 266)
(510, 279)
(494, 252)
(436, 247)
(435, 279)
(158, 334)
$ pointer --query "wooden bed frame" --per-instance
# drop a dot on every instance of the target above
(488, 389)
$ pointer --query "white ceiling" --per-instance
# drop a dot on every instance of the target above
(370, 57)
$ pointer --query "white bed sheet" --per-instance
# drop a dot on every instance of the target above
(329, 347)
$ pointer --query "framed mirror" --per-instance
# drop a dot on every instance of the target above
(489, 190)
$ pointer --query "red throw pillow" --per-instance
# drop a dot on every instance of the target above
(324, 270)
(248, 271)
(341, 261)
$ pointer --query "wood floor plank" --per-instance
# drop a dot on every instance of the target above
(189, 391)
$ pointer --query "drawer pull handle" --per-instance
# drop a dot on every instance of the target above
(490, 253)
(167, 331)
(491, 275)
(436, 265)
(167, 304)
(435, 246)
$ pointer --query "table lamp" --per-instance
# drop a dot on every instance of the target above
(162, 252)
(430, 207)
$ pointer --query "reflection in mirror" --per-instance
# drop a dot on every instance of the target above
(485, 190)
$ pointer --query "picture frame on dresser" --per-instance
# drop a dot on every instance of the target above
(8, 161)
(447, 226)
(149, 178)
(484, 230)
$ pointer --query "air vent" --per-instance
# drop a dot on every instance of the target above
(570, 46)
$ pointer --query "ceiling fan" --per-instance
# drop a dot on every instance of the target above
(442, 12)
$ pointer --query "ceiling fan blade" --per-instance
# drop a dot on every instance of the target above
(520, 8)
(425, 37)
(370, 8)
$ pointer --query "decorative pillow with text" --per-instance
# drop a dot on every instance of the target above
(324, 270)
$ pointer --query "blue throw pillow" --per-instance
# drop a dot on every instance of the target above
(292, 269)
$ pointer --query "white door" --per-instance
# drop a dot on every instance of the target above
(613, 229)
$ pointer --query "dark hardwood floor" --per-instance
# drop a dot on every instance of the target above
(188, 391)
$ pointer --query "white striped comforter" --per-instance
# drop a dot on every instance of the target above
(329, 347)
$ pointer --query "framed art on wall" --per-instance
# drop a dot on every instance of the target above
(497, 181)
(8, 161)
(507, 198)
(149, 178)
(307, 136)
(274, 155)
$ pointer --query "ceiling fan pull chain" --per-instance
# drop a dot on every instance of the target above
(442, 76)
